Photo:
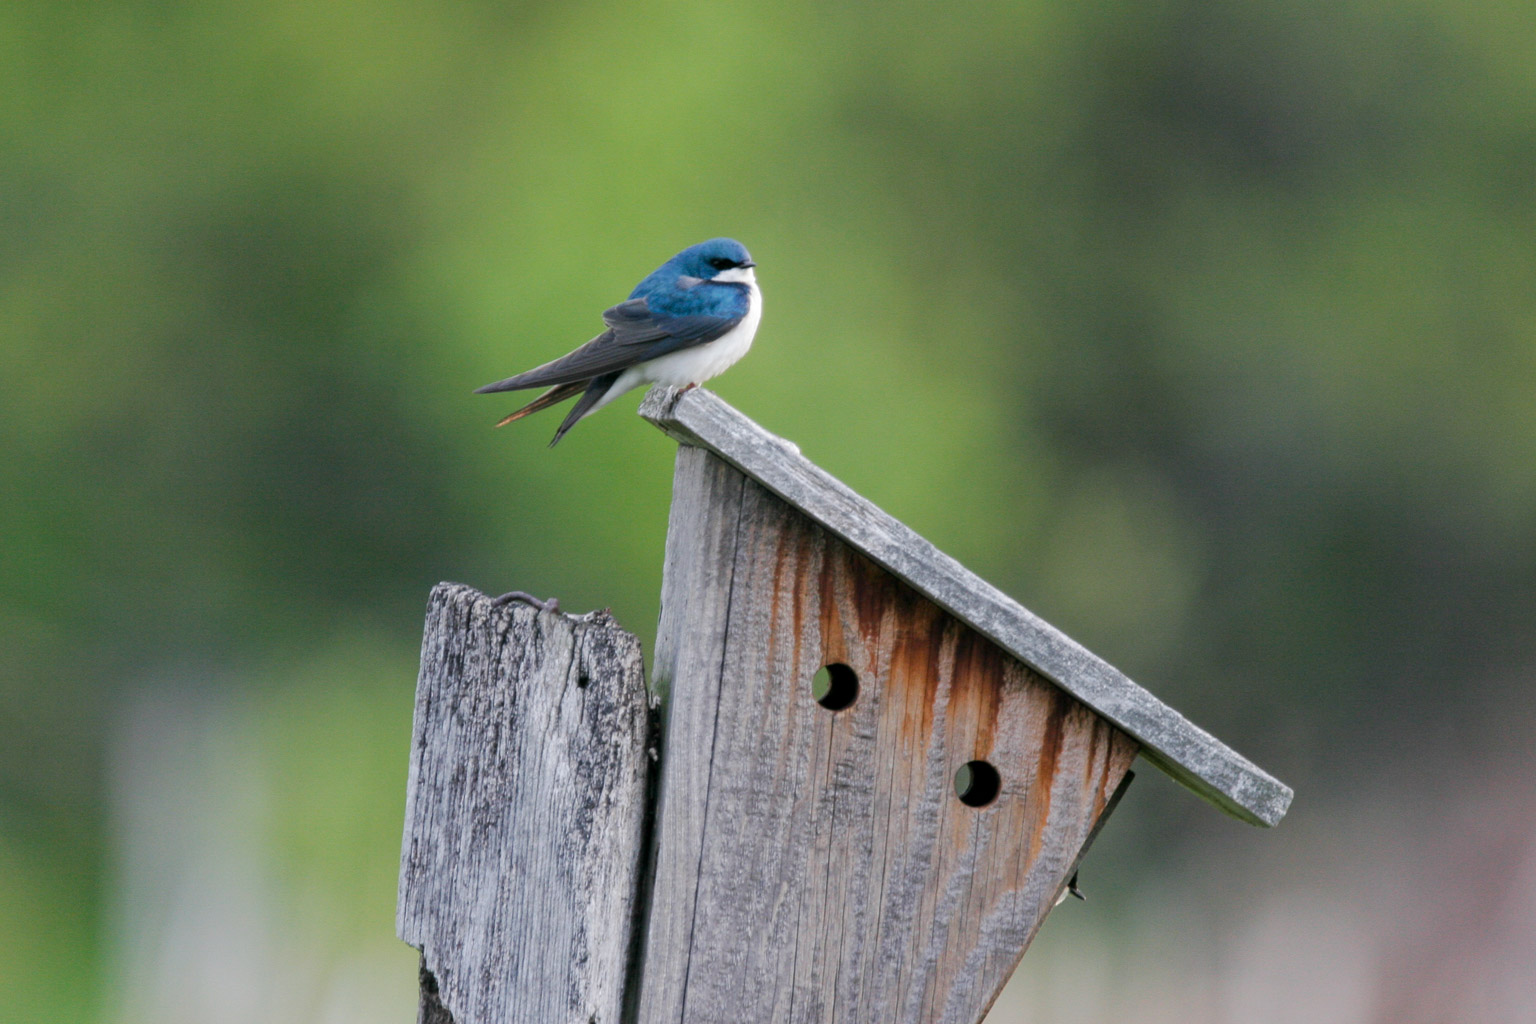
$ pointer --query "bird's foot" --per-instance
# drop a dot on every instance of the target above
(552, 605)
(687, 387)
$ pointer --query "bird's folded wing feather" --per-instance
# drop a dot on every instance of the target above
(635, 334)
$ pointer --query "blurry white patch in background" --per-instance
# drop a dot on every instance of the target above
(200, 927)
(1304, 955)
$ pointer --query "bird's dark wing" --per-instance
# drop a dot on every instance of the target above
(635, 334)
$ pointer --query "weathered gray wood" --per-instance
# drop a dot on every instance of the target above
(695, 605)
(1186, 752)
(524, 813)
(815, 865)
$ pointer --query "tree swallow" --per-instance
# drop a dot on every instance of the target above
(688, 321)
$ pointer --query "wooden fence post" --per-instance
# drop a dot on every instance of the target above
(525, 812)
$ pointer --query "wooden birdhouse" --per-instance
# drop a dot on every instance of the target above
(875, 773)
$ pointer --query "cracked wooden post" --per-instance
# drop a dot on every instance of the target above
(876, 777)
(524, 813)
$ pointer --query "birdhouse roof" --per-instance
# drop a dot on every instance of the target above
(1192, 756)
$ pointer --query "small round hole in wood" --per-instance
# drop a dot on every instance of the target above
(977, 783)
(835, 686)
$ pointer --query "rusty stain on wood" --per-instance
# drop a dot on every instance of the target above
(834, 873)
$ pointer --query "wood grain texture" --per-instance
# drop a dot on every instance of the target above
(816, 865)
(524, 813)
(695, 604)
(1186, 752)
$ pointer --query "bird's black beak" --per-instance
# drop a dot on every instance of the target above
(746, 263)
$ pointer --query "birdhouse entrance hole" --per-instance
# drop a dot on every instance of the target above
(977, 783)
(835, 686)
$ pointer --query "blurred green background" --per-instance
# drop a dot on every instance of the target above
(1208, 331)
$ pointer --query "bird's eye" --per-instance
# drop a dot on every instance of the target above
(721, 263)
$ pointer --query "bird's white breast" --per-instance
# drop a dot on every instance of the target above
(702, 362)
(698, 364)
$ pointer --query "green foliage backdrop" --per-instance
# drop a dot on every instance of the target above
(1207, 331)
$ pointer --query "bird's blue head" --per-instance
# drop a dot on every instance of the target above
(714, 258)
(719, 259)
